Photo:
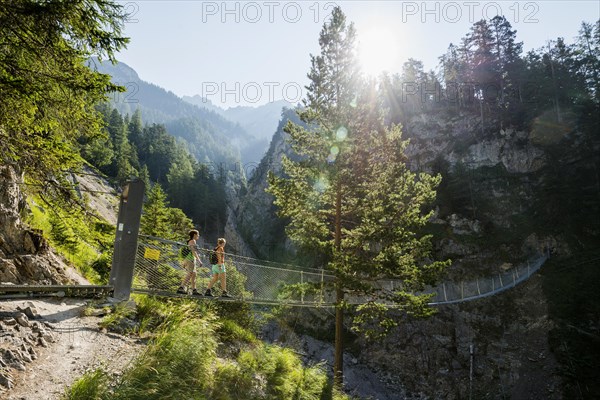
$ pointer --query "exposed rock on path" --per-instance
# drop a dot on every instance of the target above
(45, 345)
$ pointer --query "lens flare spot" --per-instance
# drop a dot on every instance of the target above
(341, 133)
(321, 184)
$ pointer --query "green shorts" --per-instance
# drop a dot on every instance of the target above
(218, 269)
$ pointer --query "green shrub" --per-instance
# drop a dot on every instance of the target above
(157, 314)
(278, 373)
(102, 265)
(230, 331)
(231, 382)
(117, 319)
(180, 360)
(79, 238)
(176, 364)
(91, 386)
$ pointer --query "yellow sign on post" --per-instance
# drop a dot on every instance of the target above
(152, 254)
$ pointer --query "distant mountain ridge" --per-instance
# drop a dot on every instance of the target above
(210, 134)
(260, 121)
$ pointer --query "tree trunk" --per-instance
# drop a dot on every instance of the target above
(338, 364)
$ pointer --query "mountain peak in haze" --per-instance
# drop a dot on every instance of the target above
(121, 73)
(261, 121)
(203, 102)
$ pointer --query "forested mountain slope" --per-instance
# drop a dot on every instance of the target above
(210, 137)
(213, 135)
(515, 139)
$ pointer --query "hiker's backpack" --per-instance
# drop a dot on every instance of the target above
(214, 260)
(185, 251)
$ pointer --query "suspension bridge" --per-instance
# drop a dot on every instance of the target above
(158, 270)
(152, 265)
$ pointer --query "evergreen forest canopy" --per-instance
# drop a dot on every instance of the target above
(53, 115)
(551, 93)
(52, 118)
(47, 94)
(152, 154)
(487, 73)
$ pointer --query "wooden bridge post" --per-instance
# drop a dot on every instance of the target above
(128, 226)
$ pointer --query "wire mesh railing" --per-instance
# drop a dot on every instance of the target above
(457, 292)
(159, 269)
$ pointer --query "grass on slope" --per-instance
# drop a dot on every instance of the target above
(198, 351)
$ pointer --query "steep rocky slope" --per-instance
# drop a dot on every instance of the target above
(45, 344)
(25, 257)
(506, 195)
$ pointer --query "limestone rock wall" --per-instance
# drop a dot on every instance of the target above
(25, 257)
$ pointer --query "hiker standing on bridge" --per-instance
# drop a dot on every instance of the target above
(217, 259)
(191, 261)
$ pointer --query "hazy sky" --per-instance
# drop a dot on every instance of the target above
(254, 52)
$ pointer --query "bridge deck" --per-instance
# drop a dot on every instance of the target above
(159, 271)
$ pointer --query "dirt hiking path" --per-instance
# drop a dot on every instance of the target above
(79, 345)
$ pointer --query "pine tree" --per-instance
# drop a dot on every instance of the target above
(180, 178)
(484, 66)
(47, 92)
(160, 220)
(454, 78)
(587, 48)
(98, 151)
(507, 52)
(351, 197)
(155, 218)
(135, 129)
(145, 177)
(413, 83)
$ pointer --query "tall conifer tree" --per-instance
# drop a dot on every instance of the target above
(351, 196)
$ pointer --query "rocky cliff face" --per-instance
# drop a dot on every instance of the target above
(491, 348)
(457, 140)
(490, 215)
(25, 257)
(489, 181)
(256, 217)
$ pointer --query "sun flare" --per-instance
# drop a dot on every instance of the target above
(377, 51)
